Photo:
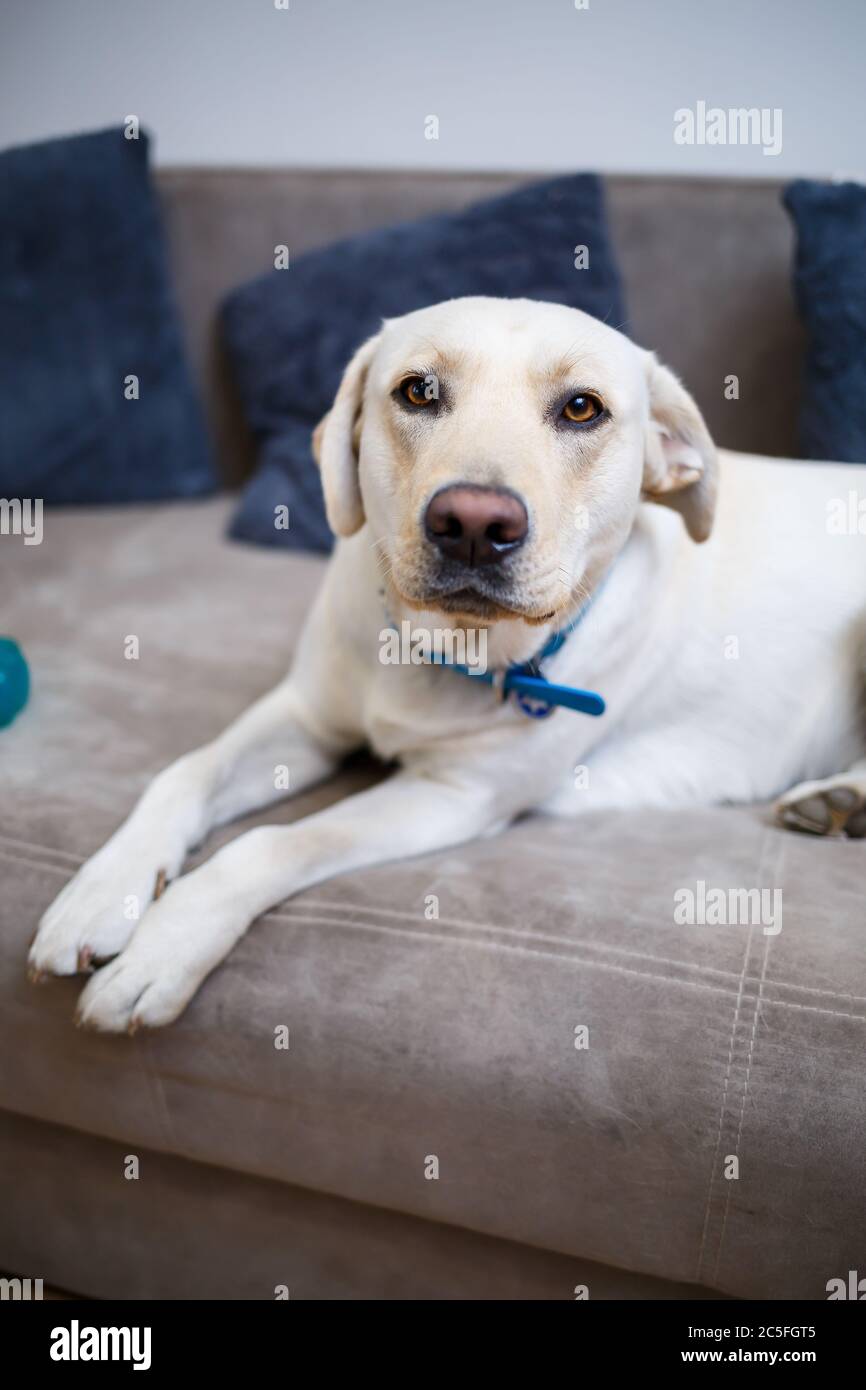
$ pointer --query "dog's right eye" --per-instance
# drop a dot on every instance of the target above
(419, 390)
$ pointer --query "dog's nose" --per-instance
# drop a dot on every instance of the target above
(476, 525)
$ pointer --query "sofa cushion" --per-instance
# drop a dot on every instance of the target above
(191, 1230)
(291, 332)
(455, 1036)
(830, 283)
(98, 405)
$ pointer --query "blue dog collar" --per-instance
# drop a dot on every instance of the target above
(534, 694)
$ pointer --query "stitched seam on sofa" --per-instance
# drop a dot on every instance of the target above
(291, 915)
(767, 843)
(7, 840)
(722, 1108)
(781, 845)
(572, 957)
(484, 927)
(808, 1008)
(746, 1080)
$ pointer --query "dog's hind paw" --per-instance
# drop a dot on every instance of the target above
(834, 806)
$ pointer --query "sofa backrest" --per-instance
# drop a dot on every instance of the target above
(706, 264)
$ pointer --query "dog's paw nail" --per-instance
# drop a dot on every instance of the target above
(35, 975)
(133, 1026)
(85, 956)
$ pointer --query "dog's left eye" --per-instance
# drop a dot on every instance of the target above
(580, 410)
(418, 390)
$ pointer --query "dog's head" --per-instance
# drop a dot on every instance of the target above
(498, 450)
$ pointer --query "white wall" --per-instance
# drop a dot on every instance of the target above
(516, 84)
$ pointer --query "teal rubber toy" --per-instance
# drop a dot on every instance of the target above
(14, 681)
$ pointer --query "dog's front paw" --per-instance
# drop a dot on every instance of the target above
(180, 939)
(95, 915)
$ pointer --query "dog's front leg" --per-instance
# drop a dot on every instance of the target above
(201, 916)
(97, 912)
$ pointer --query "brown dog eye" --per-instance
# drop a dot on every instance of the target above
(416, 391)
(581, 409)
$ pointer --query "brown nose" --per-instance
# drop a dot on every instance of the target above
(476, 525)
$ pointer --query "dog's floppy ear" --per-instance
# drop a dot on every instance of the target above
(335, 446)
(680, 467)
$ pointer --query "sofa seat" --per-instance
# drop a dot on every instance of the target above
(451, 1039)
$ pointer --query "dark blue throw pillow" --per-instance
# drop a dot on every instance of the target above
(291, 333)
(830, 286)
(87, 323)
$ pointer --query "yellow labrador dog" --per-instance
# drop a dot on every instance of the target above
(497, 465)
